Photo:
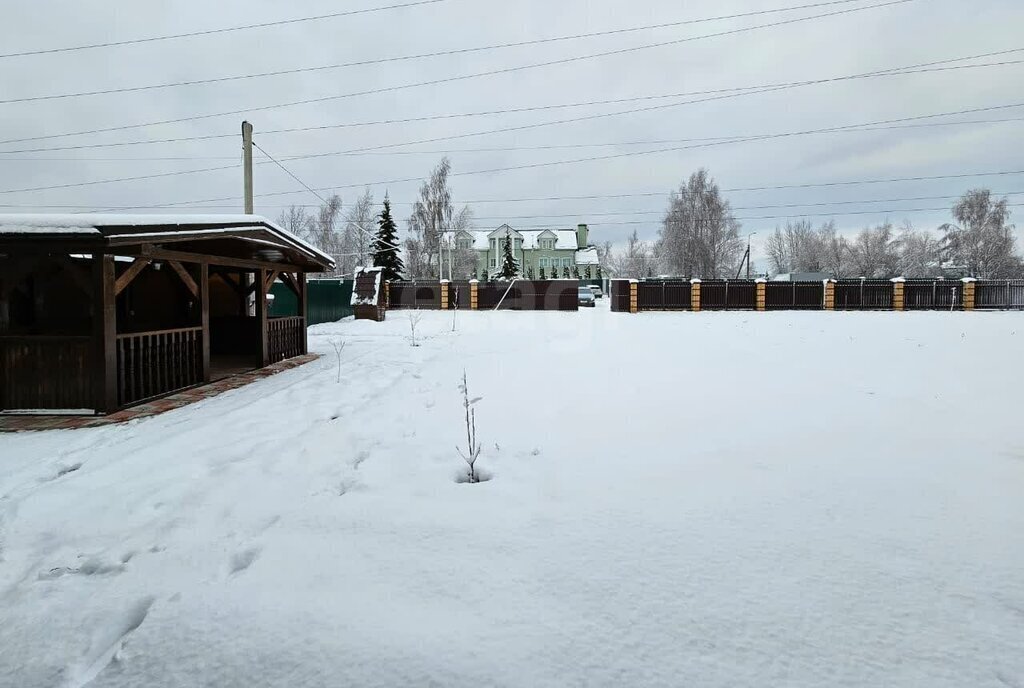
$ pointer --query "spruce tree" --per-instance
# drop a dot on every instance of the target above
(385, 255)
(586, 272)
(575, 271)
(598, 272)
(565, 272)
(509, 266)
(541, 274)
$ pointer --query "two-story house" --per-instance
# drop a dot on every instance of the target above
(534, 249)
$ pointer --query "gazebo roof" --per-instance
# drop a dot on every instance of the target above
(235, 237)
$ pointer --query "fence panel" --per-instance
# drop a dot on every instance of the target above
(150, 364)
(41, 372)
(417, 295)
(789, 296)
(932, 294)
(728, 295)
(619, 295)
(326, 301)
(999, 294)
(857, 294)
(663, 295)
(530, 295)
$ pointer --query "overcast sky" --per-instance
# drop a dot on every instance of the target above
(915, 32)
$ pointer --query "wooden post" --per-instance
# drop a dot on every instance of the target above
(898, 298)
(968, 287)
(303, 287)
(444, 295)
(762, 293)
(830, 295)
(104, 333)
(247, 164)
(261, 315)
(695, 295)
(474, 291)
(634, 306)
(204, 316)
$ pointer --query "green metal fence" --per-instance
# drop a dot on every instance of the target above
(329, 300)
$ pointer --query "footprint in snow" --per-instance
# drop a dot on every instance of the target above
(107, 642)
(240, 561)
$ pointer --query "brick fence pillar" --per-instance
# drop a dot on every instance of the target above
(968, 283)
(387, 294)
(444, 295)
(634, 307)
(830, 295)
(898, 298)
(695, 295)
(762, 292)
(474, 289)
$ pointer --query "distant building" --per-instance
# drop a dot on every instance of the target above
(533, 249)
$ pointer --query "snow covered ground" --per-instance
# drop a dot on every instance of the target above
(714, 499)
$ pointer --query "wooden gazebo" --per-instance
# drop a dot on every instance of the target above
(100, 312)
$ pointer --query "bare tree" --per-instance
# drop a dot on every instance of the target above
(835, 250)
(699, 235)
(297, 221)
(326, 236)
(874, 252)
(414, 322)
(920, 253)
(357, 237)
(982, 240)
(462, 258)
(636, 261)
(473, 447)
(800, 247)
(431, 215)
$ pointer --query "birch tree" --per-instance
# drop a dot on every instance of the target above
(357, 237)
(699, 235)
(981, 240)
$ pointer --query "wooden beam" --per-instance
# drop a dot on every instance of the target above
(126, 278)
(302, 292)
(204, 317)
(271, 278)
(156, 253)
(190, 283)
(290, 280)
(261, 317)
(104, 333)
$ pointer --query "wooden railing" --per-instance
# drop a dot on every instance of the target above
(285, 338)
(150, 364)
(43, 372)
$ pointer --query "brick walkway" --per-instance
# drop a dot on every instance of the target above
(15, 423)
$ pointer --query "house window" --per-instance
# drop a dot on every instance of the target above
(565, 262)
(548, 244)
(494, 262)
(544, 262)
(464, 244)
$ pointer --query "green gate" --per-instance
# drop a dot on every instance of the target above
(329, 300)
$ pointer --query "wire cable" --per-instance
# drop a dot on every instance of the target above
(463, 77)
(209, 32)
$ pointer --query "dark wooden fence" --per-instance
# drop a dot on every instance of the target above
(42, 372)
(999, 294)
(150, 364)
(790, 296)
(662, 295)
(417, 295)
(529, 295)
(284, 338)
(618, 295)
(858, 294)
(932, 294)
(728, 295)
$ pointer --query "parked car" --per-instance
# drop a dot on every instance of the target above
(598, 292)
(586, 297)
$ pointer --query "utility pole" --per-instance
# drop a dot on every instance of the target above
(247, 165)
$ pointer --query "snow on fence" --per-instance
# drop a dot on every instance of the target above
(845, 294)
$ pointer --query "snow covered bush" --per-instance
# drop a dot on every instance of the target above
(472, 445)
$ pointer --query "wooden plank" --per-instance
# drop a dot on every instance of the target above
(302, 292)
(186, 278)
(263, 351)
(126, 278)
(290, 281)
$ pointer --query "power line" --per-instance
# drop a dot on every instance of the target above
(208, 32)
(507, 149)
(441, 53)
(434, 82)
(922, 68)
(874, 126)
